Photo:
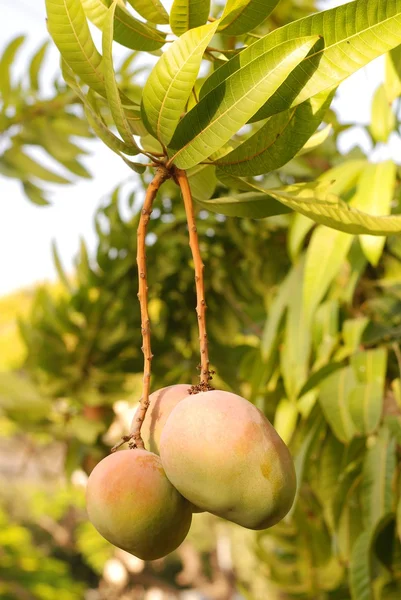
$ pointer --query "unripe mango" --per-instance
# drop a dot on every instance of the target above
(134, 506)
(161, 403)
(223, 455)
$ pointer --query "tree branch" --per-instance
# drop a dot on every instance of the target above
(205, 374)
(134, 438)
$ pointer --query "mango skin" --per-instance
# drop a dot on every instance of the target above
(161, 404)
(223, 455)
(133, 505)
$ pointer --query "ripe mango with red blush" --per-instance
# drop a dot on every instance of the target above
(224, 456)
(134, 506)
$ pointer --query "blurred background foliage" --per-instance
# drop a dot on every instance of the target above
(303, 321)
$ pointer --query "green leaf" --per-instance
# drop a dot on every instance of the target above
(34, 194)
(170, 83)
(327, 209)
(296, 345)
(377, 479)
(383, 121)
(20, 398)
(392, 82)
(134, 34)
(202, 181)
(128, 31)
(279, 140)
(112, 91)
(30, 168)
(218, 116)
(35, 66)
(6, 61)
(361, 569)
(302, 458)
(94, 119)
(241, 16)
(347, 32)
(96, 11)
(59, 268)
(366, 399)
(276, 313)
(151, 10)
(69, 29)
(325, 255)
(374, 195)
(333, 398)
(317, 139)
(249, 204)
(187, 14)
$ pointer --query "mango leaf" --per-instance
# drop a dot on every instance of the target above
(333, 398)
(332, 211)
(241, 16)
(63, 277)
(325, 255)
(202, 181)
(276, 312)
(347, 32)
(134, 34)
(69, 29)
(94, 119)
(298, 231)
(170, 83)
(96, 11)
(128, 31)
(316, 140)
(30, 168)
(377, 504)
(360, 573)
(302, 457)
(249, 204)
(6, 61)
(279, 140)
(35, 65)
(112, 91)
(187, 14)
(20, 398)
(392, 82)
(366, 399)
(34, 194)
(383, 120)
(374, 195)
(377, 479)
(218, 116)
(329, 471)
(151, 10)
(296, 346)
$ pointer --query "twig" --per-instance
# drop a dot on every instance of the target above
(205, 373)
(134, 438)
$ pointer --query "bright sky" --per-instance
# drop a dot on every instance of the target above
(26, 230)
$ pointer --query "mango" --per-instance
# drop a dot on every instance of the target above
(224, 456)
(161, 403)
(134, 506)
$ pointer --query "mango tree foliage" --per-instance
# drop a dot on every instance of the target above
(288, 76)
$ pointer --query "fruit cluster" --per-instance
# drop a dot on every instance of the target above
(210, 451)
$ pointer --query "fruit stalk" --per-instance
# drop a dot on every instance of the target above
(182, 180)
(134, 437)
